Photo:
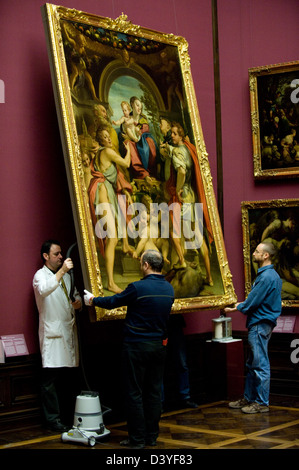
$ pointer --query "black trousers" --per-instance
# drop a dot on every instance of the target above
(58, 390)
(143, 368)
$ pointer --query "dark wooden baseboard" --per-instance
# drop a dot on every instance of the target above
(19, 394)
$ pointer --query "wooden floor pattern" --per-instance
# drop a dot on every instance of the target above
(210, 426)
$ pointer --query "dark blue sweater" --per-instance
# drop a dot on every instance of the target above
(264, 300)
(148, 302)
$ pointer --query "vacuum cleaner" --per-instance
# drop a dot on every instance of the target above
(88, 426)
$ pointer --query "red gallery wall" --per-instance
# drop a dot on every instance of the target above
(34, 195)
(251, 34)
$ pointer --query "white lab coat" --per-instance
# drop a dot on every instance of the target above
(57, 323)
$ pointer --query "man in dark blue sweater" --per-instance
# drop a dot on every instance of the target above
(149, 303)
(262, 307)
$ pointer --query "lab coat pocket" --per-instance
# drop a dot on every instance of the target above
(53, 329)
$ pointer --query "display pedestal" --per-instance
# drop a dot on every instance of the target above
(225, 369)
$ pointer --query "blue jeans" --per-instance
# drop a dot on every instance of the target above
(257, 384)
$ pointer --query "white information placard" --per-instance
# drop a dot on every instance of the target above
(14, 345)
(2, 355)
(285, 324)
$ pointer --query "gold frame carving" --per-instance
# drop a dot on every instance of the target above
(274, 97)
(113, 61)
(276, 221)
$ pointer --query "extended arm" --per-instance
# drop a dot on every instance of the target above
(118, 300)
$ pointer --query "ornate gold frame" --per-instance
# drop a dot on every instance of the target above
(272, 221)
(128, 62)
(272, 158)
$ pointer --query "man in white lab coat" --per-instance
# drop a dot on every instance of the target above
(57, 329)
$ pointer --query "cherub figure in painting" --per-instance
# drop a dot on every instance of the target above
(149, 231)
(128, 125)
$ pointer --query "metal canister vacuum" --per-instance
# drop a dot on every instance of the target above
(88, 426)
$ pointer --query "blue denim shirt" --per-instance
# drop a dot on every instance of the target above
(264, 300)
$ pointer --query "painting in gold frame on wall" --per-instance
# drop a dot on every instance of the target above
(275, 221)
(121, 91)
(274, 101)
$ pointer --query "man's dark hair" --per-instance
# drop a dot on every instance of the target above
(46, 246)
(269, 248)
(154, 259)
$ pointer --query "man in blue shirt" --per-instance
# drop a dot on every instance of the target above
(149, 303)
(262, 307)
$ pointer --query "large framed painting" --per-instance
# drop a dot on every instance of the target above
(275, 221)
(274, 101)
(136, 161)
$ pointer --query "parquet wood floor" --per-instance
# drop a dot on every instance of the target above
(211, 426)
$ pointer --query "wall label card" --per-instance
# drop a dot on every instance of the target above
(14, 345)
(285, 324)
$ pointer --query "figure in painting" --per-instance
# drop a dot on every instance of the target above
(143, 152)
(107, 181)
(101, 121)
(171, 73)
(180, 189)
(163, 163)
(88, 148)
(129, 126)
(78, 61)
(149, 231)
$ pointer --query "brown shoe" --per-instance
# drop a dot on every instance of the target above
(237, 405)
(255, 408)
